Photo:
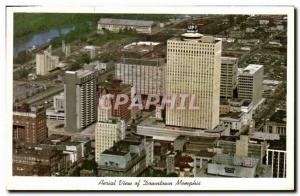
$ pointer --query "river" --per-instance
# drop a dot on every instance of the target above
(26, 42)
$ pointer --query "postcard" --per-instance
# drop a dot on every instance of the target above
(191, 98)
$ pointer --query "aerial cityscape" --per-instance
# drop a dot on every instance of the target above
(149, 95)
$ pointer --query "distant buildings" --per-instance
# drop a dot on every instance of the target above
(96, 65)
(80, 99)
(269, 87)
(250, 83)
(29, 125)
(228, 82)
(123, 159)
(277, 123)
(193, 68)
(115, 25)
(45, 62)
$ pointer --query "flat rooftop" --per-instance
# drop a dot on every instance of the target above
(204, 153)
(228, 60)
(80, 73)
(115, 85)
(235, 160)
(146, 61)
(152, 122)
(234, 115)
(112, 21)
(278, 144)
(250, 69)
(142, 50)
(37, 153)
(121, 148)
(56, 138)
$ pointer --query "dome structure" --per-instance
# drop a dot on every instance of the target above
(191, 33)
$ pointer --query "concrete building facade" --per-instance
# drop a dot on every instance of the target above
(115, 88)
(45, 62)
(29, 125)
(115, 25)
(147, 76)
(108, 130)
(80, 99)
(250, 83)
(193, 68)
(228, 83)
(125, 158)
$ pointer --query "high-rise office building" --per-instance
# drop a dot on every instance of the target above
(80, 91)
(229, 76)
(193, 68)
(147, 76)
(29, 124)
(250, 83)
(109, 130)
(115, 88)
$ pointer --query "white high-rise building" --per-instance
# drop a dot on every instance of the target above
(250, 83)
(193, 68)
(104, 108)
(108, 130)
(45, 62)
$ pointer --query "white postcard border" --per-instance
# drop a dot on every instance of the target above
(209, 183)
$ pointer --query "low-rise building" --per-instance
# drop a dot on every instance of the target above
(276, 123)
(243, 146)
(116, 25)
(38, 162)
(124, 158)
(233, 166)
(201, 159)
(160, 131)
(97, 66)
(234, 120)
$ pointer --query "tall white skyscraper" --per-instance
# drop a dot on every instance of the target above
(193, 68)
